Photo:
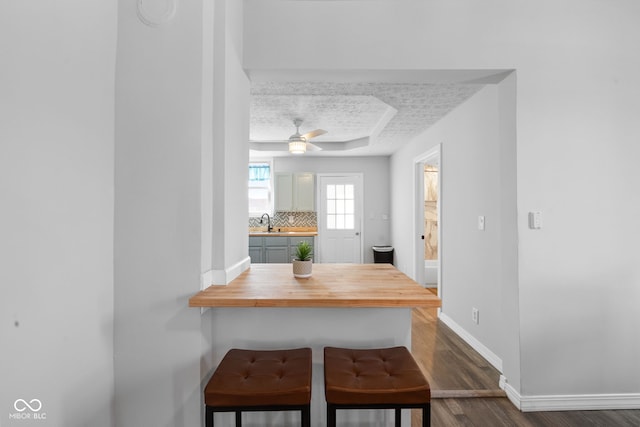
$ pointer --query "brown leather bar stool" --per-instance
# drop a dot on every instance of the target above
(381, 378)
(260, 380)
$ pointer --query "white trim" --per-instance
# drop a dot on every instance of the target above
(512, 393)
(472, 341)
(502, 382)
(431, 155)
(580, 402)
(570, 402)
(224, 277)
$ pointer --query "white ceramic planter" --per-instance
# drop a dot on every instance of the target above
(302, 269)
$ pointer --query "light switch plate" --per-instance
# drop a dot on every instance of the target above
(535, 220)
(481, 223)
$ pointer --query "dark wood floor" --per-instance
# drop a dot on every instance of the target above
(465, 390)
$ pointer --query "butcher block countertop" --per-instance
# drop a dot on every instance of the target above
(331, 285)
(283, 231)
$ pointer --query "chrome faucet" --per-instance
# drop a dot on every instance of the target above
(269, 227)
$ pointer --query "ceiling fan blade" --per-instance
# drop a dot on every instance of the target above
(314, 133)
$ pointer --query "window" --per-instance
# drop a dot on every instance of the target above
(340, 207)
(260, 193)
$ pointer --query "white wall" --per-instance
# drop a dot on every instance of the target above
(376, 188)
(577, 93)
(230, 139)
(471, 170)
(56, 214)
(470, 187)
(181, 135)
(157, 219)
(225, 159)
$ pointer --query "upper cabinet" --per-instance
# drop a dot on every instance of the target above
(294, 192)
(304, 196)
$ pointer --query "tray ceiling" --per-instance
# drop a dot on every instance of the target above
(361, 118)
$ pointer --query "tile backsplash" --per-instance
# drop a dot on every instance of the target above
(288, 219)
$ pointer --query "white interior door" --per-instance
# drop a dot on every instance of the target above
(339, 219)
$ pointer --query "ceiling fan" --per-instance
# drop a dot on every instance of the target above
(298, 143)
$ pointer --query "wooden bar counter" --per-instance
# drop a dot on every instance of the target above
(331, 285)
(340, 305)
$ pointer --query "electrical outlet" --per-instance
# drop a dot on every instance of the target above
(481, 223)
(475, 315)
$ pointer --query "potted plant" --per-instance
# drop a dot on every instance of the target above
(302, 261)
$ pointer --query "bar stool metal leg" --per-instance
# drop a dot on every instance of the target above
(208, 416)
(426, 415)
(331, 415)
(306, 416)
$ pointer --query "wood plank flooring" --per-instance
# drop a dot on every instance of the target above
(465, 390)
(448, 362)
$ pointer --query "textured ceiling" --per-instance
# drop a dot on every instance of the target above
(380, 116)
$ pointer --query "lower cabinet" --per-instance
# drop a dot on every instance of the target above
(256, 249)
(255, 253)
(275, 249)
(276, 255)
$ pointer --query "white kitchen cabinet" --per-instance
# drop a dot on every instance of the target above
(303, 192)
(283, 192)
(294, 192)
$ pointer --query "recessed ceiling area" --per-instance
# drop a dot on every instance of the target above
(364, 114)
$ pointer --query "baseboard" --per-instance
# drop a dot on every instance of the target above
(512, 394)
(580, 402)
(473, 342)
(573, 402)
(224, 277)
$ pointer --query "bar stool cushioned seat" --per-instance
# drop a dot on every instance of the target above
(260, 380)
(381, 378)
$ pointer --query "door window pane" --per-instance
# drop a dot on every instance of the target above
(331, 206)
(340, 203)
(348, 222)
(349, 207)
(331, 192)
(348, 192)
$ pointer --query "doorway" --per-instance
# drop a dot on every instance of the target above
(428, 202)
(339, 218)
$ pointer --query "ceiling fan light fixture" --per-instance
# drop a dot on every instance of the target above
(297, 147)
